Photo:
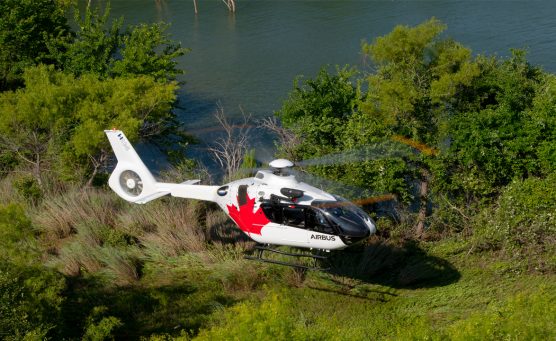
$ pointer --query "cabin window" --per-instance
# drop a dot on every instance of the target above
(273, 213)
(294, 216)
(287, 215)
(297, 216)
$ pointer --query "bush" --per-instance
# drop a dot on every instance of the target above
(31, 301)
(523, 222)
(270, 320)
(100, 327)
(29, 188)
(17, 242)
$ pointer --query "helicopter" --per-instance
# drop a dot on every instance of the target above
(272, 208)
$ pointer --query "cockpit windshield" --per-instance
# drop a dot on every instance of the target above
(350, 218)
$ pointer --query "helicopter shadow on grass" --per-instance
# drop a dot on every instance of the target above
(396, 266)
(401, 265)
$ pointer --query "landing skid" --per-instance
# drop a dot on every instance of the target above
(260, 249)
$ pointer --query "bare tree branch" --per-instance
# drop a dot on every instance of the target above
(287, 139)
(230, 149)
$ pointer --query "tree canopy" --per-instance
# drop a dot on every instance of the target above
(27, 30)
(68, 86)
(476, 123)
(56, 122)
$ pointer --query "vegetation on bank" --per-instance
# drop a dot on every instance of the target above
(465, 251)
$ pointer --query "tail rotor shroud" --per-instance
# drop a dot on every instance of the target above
(131, 183)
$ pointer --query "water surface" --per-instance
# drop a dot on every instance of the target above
(248, 60)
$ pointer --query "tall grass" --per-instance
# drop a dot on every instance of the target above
(166, 228)
(58, 216)
(93, 232)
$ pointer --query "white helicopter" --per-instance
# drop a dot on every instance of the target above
(272, 208)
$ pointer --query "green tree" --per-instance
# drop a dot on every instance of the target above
(92, 47)
(99, 46)
(56, 122)
(27, 28)
(318, 109)
(421, 80)
(147, 50)
(511, 135)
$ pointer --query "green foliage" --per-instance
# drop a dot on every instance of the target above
(318, 109)
(29, 188)
(31, 295)
(61, 129)
(248, 165)
(527, 316)
(419, 79)
(27, 28)
(31, 301)
(147, 50)
(100, 47)
(92, 48)
(271, 320)
(100, 327)
(511, 136)
(523, 317)
(57, 121)
(16, 235)
(523, 221)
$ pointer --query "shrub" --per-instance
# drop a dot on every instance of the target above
(523, 222)
(28, 188)
(17, 242)
(31, 301)
(269, 320)
(100, 327)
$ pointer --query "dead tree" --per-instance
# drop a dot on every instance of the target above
(287, 140)
(231, 4)
(230, 149)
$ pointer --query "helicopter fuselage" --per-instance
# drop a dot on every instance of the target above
(272, 208)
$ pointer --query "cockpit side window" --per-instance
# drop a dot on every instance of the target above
(273, 213)
(317, 221)
(290, 215)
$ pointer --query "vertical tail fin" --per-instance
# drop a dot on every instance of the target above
(131, 179)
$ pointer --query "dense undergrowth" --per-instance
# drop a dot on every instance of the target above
(86, 264)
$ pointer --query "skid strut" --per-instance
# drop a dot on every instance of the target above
(260, 249)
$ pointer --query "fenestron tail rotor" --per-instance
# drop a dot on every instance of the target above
(131, 183)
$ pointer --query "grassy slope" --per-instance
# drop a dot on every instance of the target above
(169, 269)
(489, 300)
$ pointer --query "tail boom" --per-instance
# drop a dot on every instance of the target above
(133, 181)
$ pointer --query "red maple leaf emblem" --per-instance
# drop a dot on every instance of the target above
(247, 220)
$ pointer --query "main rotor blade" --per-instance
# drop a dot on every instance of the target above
(357, 195)
(366, 153)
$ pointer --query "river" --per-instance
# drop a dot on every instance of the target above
(248, 60)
